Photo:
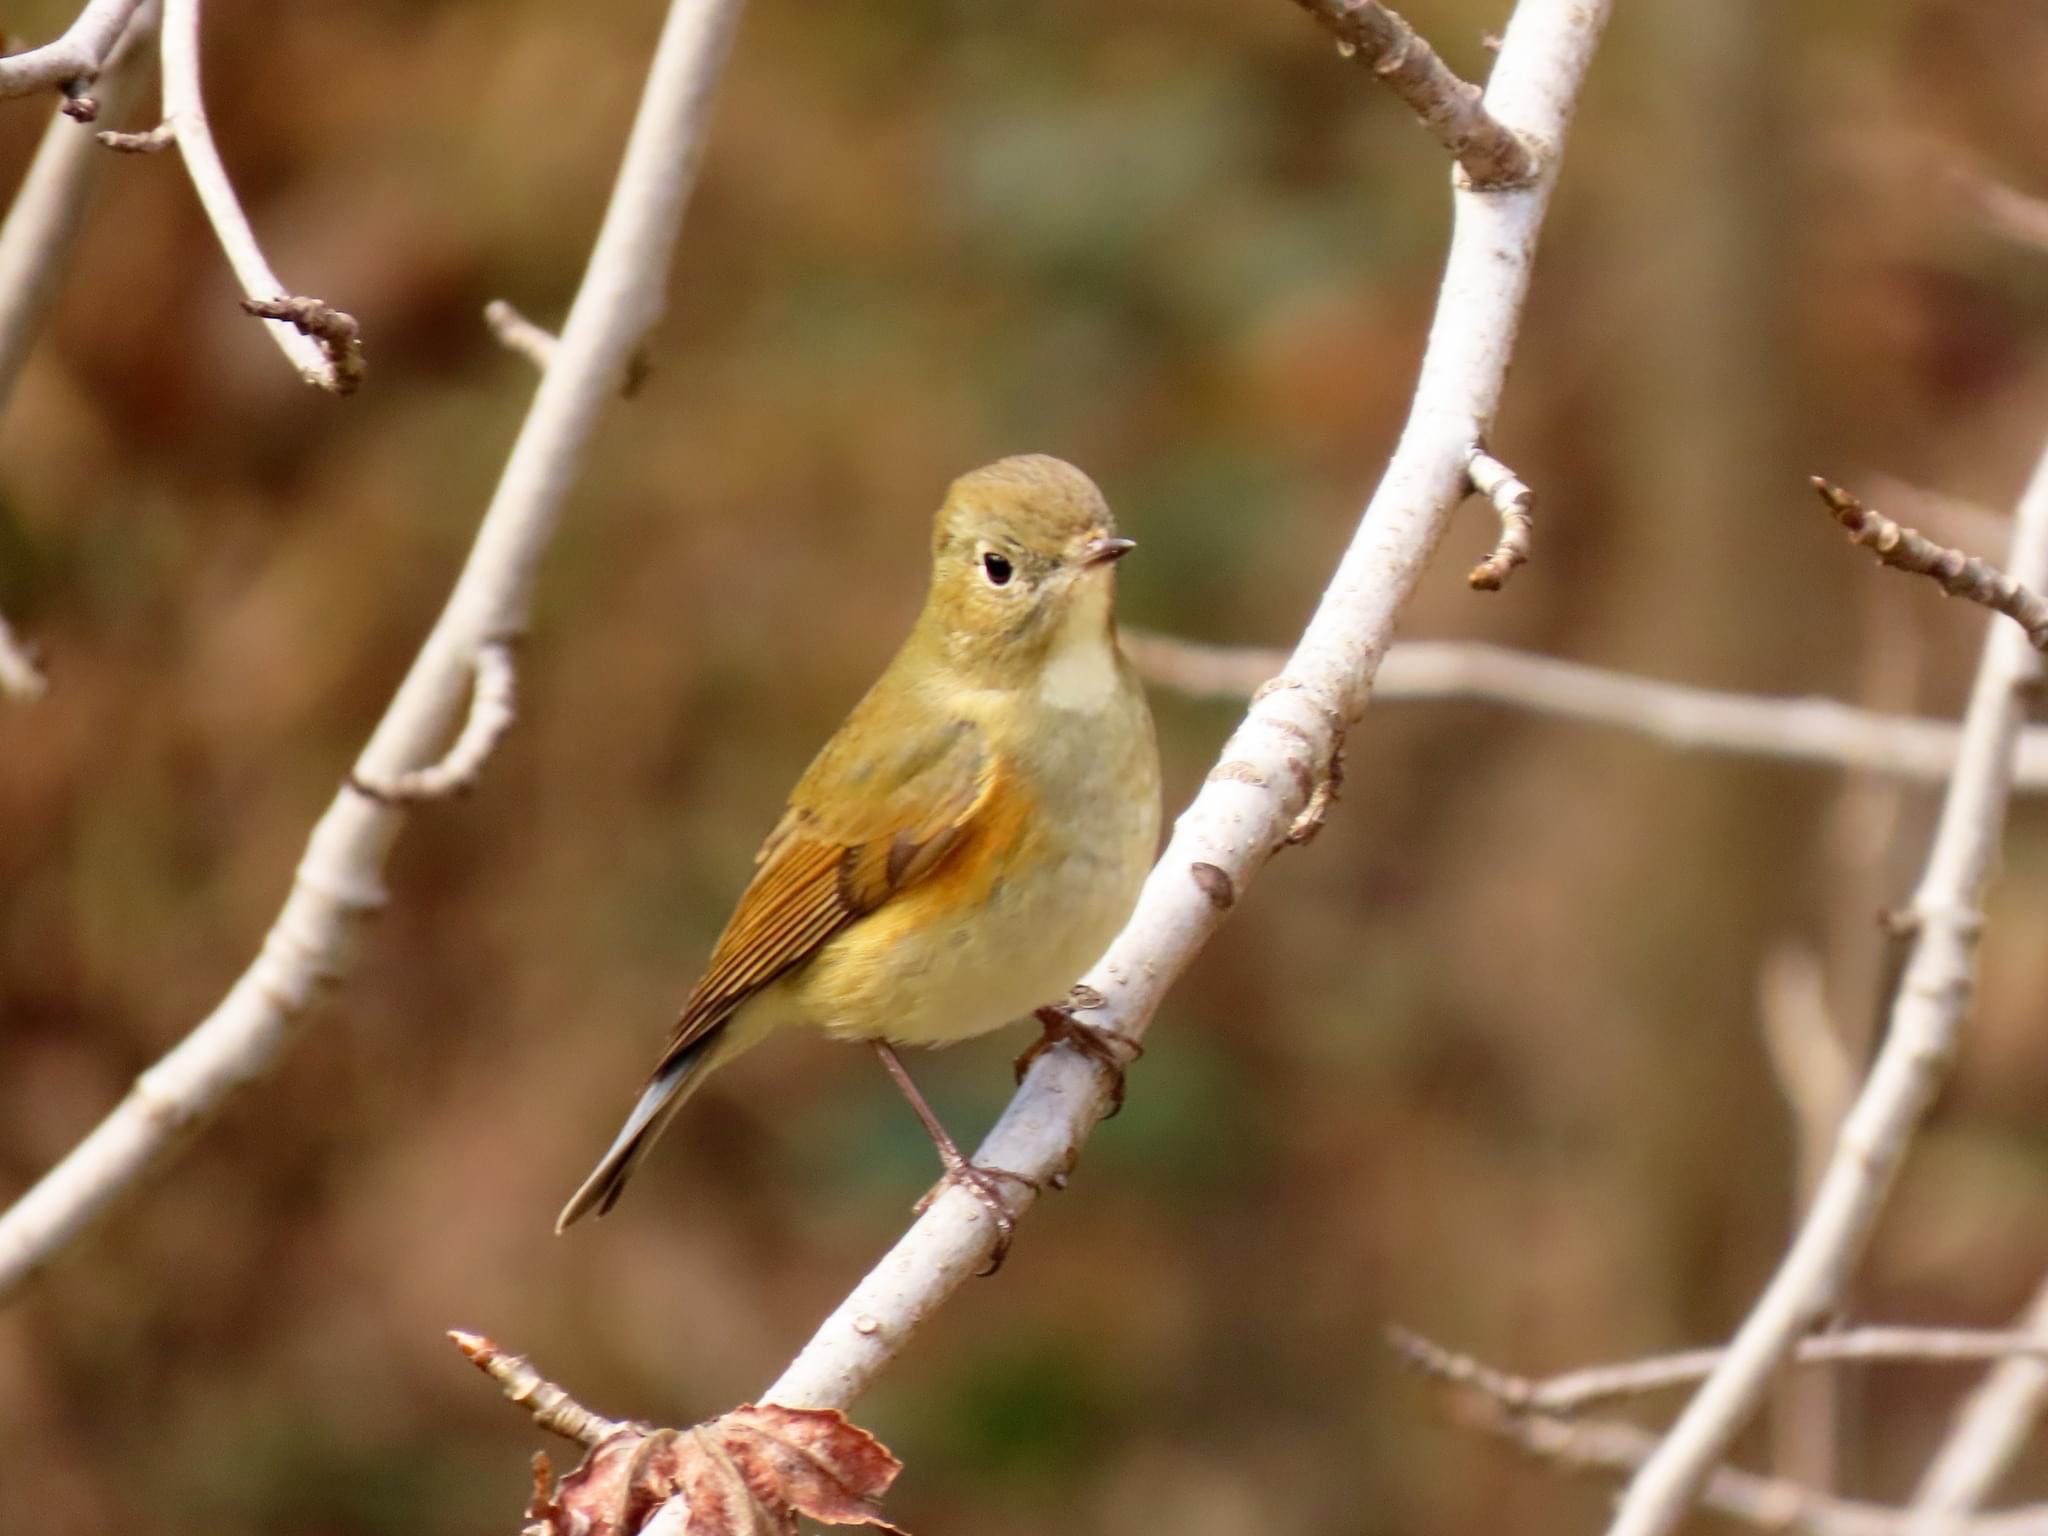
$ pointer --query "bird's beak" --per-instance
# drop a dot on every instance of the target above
(1101, 551)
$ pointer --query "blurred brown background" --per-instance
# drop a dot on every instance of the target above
(1485, 1059)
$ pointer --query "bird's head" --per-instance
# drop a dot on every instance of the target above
(1023, 558)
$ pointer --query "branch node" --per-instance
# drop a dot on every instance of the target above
(516, 333)
(1303, 829)
(149, 142)
(80, 105)
(492, 709)
(1492, 156)
(1957, 574)
(1515, 504)
(335, 331)
(552, 1407)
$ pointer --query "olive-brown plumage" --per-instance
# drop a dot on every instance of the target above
(971, 838)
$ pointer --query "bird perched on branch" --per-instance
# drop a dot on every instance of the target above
(967, 843)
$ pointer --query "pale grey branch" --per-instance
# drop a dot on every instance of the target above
(339, 880)
(1490, 152)
(1926, 1017)
(1283, 747)
(73, 60)
(311, 334)
(1573, 1392)
(1821, 732)
(1988, 1434)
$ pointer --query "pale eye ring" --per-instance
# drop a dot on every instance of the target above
(997, 568)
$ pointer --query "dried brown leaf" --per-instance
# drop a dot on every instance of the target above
(750, 1472)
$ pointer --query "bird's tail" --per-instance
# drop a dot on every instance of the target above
(662, 1097)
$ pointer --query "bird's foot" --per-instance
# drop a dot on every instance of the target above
(1108, 1049)
(984, 1183)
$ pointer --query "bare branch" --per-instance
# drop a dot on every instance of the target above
(1958, 574)
(1955, 519)
(20, 678)
(1574, 1391)
(340, 878)
(1493, 156)
(1817, 731)
(320, 342)
(492, 710)
(335, 332)
(49, 208)
(1988, 1435)
(1769, 1503)
(1516, 505)
(2021, 218)
(518, 334)
(151, 141)
(74, 60)
(1926, 1017)
(1282, 747)
(552, 1407)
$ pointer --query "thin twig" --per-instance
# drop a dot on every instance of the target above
(1573, 1392)
(48, 210)
(150, 141)
(1281, 748)
(1988, 1434)
(518, 334)
(1515, 504)
(492, 709)
(20, 678)
(1771, 1504)
(552, 1407)
(536, 343)
(318, 340)
(1958, 574)
(1492, 155)
(2018, 216)
(74, 60)
(1926, 1017)
(1817, 731)
(340, 878)
(1953, 519)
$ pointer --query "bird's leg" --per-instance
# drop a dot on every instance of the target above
(976, 1179)
(1106, 1047)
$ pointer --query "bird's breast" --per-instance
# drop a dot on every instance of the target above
(1012, 920)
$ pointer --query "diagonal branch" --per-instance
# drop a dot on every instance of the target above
(339, 880)
(1818, 731)
(1573, 1392)
(49, 208)
(1493, 156)
(1926, 1016)
(1988, 1434)
(319, 341)
(74, 60)
(1959, 575)
(1272, 762)
(1772, 1504)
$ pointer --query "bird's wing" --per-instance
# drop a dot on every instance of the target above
(864, 823)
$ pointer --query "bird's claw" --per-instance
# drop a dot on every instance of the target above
(981, 1182)
(1112, 1051)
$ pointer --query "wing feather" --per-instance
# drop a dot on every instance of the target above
(861, 827)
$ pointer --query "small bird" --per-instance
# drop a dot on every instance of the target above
(968, 842)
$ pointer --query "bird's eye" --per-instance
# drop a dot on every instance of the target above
(998, 569)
